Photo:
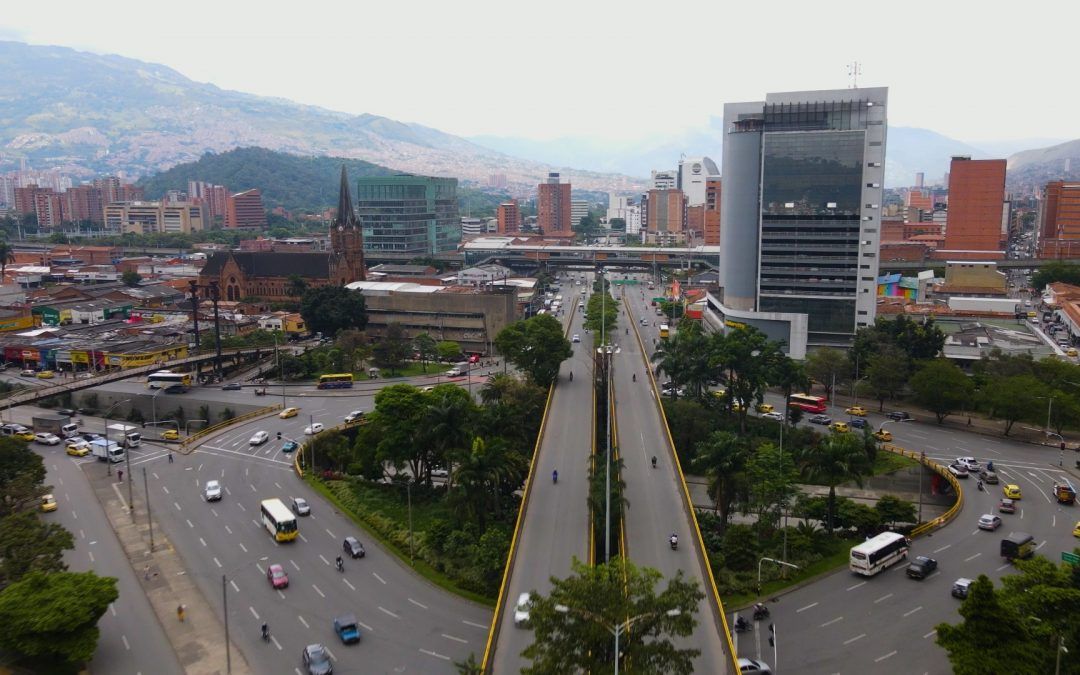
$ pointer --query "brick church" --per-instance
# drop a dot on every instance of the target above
(266, 275)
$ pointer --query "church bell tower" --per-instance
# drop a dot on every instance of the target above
(346, 238)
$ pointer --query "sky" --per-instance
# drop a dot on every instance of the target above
(613, 71)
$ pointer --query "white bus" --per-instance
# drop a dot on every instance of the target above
(278, 520)
(875, 554)
(163, 379)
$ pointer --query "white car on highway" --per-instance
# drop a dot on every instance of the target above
(212, 491)
(354, 416)
(521, 610)
(314, 428)
(46, 438)
(259, 438)
(969, 463)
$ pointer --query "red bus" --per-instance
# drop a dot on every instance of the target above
(808, 403)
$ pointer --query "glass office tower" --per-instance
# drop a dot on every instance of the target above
(408, 214)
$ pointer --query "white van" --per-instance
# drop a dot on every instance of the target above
(69, 431)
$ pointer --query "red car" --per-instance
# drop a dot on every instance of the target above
(277, 577)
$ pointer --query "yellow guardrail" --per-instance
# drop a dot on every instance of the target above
(186, 443)
(946, 517)
(686, 495)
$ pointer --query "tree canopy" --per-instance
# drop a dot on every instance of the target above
(537, 346)
(329, 309)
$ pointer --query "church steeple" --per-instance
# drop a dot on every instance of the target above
(346, 237)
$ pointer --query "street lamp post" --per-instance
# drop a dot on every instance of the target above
(922, 461)
(281, 375)
(618, 629)
(225, 613)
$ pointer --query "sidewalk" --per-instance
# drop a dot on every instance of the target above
(198, 640)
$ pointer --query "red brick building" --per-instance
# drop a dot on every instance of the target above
(245, 209)
(1059, 220)
(976, 203)
(553, 206)
(713, 193)
(509, 217)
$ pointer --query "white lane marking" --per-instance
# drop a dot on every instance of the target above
(386, 611)
(365, 626)
(455, 639)
(228, 530)
(348, 584)
(291, 562)
(810, 606)
(217, 562)
(909, 613)
(177, 506)
(829, 623)
(939, 550)
(242, 546)
(474, 624)
(857, 637)
(253, 612)
(381, 580)
(254, 489)
(882, 658)
(318, 591)
(234, 586)
(165, 489)
(126, 645)
(931, 633)
(302, 538)
(1041, 545)
(883, 598)
(332, 535)
(861, 583)
(303, 622)
(91, 553)
(438, 656)
(972, 557)
(214, 512)
(332, 653)
(202, 541)
(276, 643)
(189, 523)
(241, 506)
(112, 608)
(82, 535)
(417, 604)
(323, 558)
(278, 485)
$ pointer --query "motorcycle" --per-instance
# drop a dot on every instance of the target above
(742, 625)
(339, 564)
(265, 633)
(760, 612)
(674, 542)
(980, 486)
(554, 477)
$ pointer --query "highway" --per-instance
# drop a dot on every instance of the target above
(885, 624)
(555, 526)
(657, 503)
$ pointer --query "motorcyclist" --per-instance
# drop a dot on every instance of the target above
(760, 611)
(555, 476)
(741, 624)
(980, 485)
(571, 376)
(339, 563)
(635, 377)
(265, 631)
(654, 461)
(989, 466)
(674, 539)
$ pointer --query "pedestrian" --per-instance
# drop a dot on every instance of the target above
(120, 475)
(146, 573)
(180, 613)
(170, 457)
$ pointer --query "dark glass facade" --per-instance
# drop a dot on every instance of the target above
(409, 214)
(811, 190)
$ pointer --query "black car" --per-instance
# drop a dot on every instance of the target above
(898, 415)
(66, 412)
(353, 547)
(232, 386)
(820, 419)
(88, 437)
(921, 567)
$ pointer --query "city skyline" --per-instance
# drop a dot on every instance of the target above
(271, 55)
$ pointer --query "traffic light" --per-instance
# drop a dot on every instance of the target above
(279, 435)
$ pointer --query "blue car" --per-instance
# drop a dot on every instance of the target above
(347, 629)
(290, 446)
(857, 422)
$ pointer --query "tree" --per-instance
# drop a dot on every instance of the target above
(571, 625)
(617, 224)
(447, 423)
(31, 545)
(395, 428)
(722, 458)
(448, 350)
(295, 286)
(329, 309)
(892, 510)
(770, 482)
(131, 278)
(886, 374)
(1055, 270)
(536, 346)
(602, 314)
(826, 366)
(748, 356)
(22, 474)
(1014, 398)
(941, 387)
(789, 375)
(55, 615)
(481, 475)
(684, 358)
(424, 345)
(839, 458)
(392, 350)
(991, 634)
(7, 256)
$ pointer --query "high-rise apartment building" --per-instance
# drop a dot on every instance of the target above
(154, 217)
(48, 207)
(664, 180)
(245, 209)
(409, 214)
(713, 201)
(1059, 220)
(975, 225)
(553, 206)
(509, 217)
(579, 208)
(801, 209)
(666, 215)
(83, 203)
(693, 174)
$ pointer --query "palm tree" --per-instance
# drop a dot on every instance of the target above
(722, 457)
(483, 473)
(839, 458)
(7, 255)
(447, 423)
(496, 389)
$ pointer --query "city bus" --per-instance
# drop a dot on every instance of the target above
(278, 520)
(336, 381)
(808, 403)
(664, 331)
(163, 379)
(874, 555)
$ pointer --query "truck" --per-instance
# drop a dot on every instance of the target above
(107, 450)
(55, 424)
(128, 437)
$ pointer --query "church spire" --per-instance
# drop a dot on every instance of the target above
(346, 216)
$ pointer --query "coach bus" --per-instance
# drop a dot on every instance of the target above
(808, 403)
(336, 381)
(874, 555)
(278, 520)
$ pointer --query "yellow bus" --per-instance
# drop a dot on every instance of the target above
(165, 378)
(336, 381)
(278, 520)
(664, 330)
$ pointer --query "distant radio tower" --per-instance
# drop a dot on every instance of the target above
(854, 70)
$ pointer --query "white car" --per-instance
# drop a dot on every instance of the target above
(314, 428)
(259, 438)
(969, 463)
(577, 338)
(354, 416)
(778, 416)
(212, 491)
(521, 610)
(989, 521)
(46, 438)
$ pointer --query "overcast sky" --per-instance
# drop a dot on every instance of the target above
(614, 70)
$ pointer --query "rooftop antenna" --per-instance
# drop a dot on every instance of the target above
(854, 70)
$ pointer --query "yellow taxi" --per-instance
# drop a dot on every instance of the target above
(288, 412)
(1071, 351)
(764, 407)
(1012, 491)
(1076, 530)
(46, 375)
(883, 435)
(736, 406)
(170, 435)
(24, 435)
(856, 411)
(78, 450)
(840, 427)
(48, 503)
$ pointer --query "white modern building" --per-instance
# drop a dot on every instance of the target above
(693, 172)
(664, 180)
(579, 208)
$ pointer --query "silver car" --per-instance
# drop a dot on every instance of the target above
(212, 491)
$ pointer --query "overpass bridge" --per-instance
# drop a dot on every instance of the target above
(40, 393)
(503, 250)
(887, 266)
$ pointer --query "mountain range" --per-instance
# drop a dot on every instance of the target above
(89, 114)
